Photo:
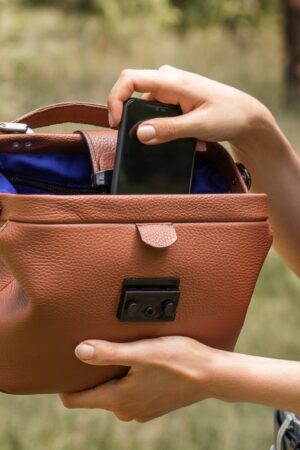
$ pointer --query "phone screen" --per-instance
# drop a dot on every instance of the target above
(151, 169)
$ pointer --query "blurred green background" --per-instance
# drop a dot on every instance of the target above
(53, 51)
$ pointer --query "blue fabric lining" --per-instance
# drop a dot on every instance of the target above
(206, 177)
(75, 169)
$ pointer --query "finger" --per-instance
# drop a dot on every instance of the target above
(152, 81)
(168, 68)
(157, 131)
(124, 417)
(148, 96)
(103, 353)
(104, 396)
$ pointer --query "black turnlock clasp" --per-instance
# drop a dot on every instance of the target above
(149, 300)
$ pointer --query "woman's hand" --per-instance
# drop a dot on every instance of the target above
(212, 111)
(215, 112)
(165, 374)
(169, 373)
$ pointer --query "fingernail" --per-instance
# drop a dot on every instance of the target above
(110, 120)
(146, 132)
(84, 351)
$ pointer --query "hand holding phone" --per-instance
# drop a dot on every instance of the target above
(157, 169)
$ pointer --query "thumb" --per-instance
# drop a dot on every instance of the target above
(103, 353)
(157, 131)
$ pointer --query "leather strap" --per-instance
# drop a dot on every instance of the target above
(102, 147)
(69, 112)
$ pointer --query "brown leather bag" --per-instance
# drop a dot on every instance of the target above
(64, 259)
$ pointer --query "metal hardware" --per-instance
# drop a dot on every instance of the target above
(149, 300)
(245, 174)
(15, 128)
(102, 178)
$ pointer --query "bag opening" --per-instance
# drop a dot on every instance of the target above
(70, 173)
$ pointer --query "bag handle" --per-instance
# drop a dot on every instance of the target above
(67, 112)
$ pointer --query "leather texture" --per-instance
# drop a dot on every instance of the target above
(63, 260)
(102, 147)
(157, 235)
(73, 112)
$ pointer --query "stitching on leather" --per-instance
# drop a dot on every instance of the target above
(4, 226)
(8, 284)
(134, 222)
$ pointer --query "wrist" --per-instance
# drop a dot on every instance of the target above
(260, 134)
(223, 374)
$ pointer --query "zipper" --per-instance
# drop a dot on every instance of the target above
(55, 188)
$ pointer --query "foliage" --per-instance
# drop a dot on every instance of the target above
(113, 11)
(230, 13)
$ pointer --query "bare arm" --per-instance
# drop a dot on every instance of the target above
(275, 169)
(253, 379)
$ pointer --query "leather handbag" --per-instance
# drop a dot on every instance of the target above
(78, 263)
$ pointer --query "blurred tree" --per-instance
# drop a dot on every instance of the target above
(233, 14)
(291, 9)
(71, 5)
(193, 12)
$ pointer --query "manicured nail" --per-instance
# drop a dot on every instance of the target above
(146, 132)
(84, 351)
(110, 120)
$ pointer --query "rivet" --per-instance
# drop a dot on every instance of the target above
(28, 144)
(16, 145)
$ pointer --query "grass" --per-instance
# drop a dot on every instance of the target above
(48, 57)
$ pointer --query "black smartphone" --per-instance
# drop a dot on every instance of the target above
(151, 169)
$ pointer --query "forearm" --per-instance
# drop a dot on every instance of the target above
(275, 169)
(244, 378)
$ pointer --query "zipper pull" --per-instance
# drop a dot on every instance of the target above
(102, 178)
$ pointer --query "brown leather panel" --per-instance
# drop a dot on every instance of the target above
(133, 208)
(72, 112)
(71, 278)
(5, 276)
(102, 147)
(30, 143)
(157, 235)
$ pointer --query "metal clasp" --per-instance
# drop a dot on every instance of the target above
(149, 300)
(14, 127)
